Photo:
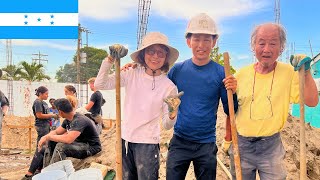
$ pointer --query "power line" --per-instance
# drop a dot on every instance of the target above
(39, 59)
(277, 11)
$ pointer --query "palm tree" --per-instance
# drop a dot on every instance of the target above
(33, 72)
(13, 72)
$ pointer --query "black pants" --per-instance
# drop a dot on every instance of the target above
(182, 152)
(77, 150)
(37, 160)
(140, 161)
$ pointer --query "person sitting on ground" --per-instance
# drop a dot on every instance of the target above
(76, 137)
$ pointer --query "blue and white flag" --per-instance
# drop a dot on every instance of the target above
(39, 19)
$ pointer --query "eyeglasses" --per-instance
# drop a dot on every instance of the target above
(160, 54)
(265, 102)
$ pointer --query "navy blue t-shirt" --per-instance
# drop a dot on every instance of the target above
(203, 88)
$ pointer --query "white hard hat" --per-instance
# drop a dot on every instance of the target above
(201, 24)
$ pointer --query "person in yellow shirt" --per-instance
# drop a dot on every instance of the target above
(265, 90)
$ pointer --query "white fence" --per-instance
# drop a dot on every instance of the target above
(24, 95)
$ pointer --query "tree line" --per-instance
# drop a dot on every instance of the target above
(68, 72)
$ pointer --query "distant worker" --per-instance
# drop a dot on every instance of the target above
(54, 123)
(42, 124)
(4, 104)
(95, 104)
(70, 90)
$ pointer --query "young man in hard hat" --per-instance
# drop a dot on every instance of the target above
(263, 110)
(204, 84)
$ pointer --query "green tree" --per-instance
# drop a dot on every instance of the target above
(218, 58)
(68, 72)
(13, 72)
(32, 72)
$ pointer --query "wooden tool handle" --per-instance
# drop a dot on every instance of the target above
(232, 120)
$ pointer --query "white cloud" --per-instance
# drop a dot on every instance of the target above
(177, 9)
(106, 46)
(35, 43)
(244, 57)
(107, 9)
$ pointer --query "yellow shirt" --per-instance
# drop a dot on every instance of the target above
(264, 117)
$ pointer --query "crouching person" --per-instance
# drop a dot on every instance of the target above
(77, 137)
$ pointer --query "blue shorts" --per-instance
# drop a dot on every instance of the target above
(260, 154)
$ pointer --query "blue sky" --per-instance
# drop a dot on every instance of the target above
(114, 21)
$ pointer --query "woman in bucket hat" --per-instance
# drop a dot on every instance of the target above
(146, 88)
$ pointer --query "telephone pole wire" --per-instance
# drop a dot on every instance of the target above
(39, 59)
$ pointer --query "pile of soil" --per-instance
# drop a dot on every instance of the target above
(14, 166)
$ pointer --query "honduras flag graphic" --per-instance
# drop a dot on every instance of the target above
(39, 19)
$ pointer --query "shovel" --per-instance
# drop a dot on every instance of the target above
(232, 120)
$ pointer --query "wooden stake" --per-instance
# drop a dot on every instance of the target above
(118, 122)
(232, 120)
(224, 168)
(30, 136)
(303, 162)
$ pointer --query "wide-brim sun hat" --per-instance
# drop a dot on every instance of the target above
(153, 38)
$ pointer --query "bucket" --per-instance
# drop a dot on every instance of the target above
(85, 174)
(64, 165)
(51, 175)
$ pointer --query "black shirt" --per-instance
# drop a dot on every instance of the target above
(87, 129)
(3, 102)
(40, 106)
(96, 98)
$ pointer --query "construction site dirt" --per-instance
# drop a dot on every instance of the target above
(15, 163)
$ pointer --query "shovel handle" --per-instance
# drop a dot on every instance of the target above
(303, 151)
(234, 135)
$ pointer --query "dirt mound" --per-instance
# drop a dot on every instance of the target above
(291, 141)
(14, 166)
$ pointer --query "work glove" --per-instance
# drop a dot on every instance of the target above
(118, 51)
(225, 146)
(299, 59)
(55, 116)
(173, 103)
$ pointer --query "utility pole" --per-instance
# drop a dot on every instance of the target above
(78, 52)
(10, 79)
(277, 11)
(87, 32)
(39, 59)
(311, 48)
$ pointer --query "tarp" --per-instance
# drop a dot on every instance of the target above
(311, 114)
